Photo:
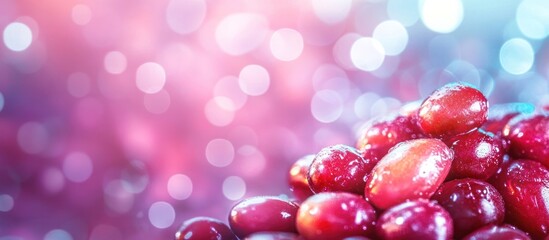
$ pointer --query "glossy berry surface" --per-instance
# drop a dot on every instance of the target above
(273, 236)
(204, 228)
(477, 154)
(338, 168)
(260, 214)
(380, 135)
(524, 186)
(500, 114)
(442, 168)
(529, 137)
(452, 109)
(331, 215)
(495, 232)
(411, 170)
(417, 219)
(299, 185)
(472, 203)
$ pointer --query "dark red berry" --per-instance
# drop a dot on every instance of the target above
(204, 228)
(472, 203)
(495, 232)
(380, 135)
(260, 214)
(452, 109)
(411, 170)
(477, 154)
(298, 182)
(500, 114)
(331, 215)
(338, 168)
(417, 219)
(399, 167)
(529, 137)
(524, 186)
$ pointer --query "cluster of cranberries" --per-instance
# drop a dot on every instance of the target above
(444, 169)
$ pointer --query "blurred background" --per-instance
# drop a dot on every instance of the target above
(121, 119)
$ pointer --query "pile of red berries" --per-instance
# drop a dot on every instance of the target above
(442, 169)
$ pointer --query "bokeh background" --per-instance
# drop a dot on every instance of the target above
(121, 119)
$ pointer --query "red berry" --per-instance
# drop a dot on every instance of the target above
(524, 186)
(494, 232)
(500, 114)
(472, 203)
(338, 168)
(298, 182)
(417, 219)
(331, 215)
(204, 228)
(400, 165)
(411, 170)
(452, 109)
(529, 137)
(380, 135)
(477, 154)
(260, 214)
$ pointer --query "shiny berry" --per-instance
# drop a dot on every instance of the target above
(260, 214)
(452, 109)
(529, 137)
(204, 228)
(417, 219)
(500, 114)
(273, 236)
(298, 182)
(477, 154)
(380, 135)
(495, 232)
(335, 215)
(338, 168)
(411, 170)
(524, 186)
(472, 203)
